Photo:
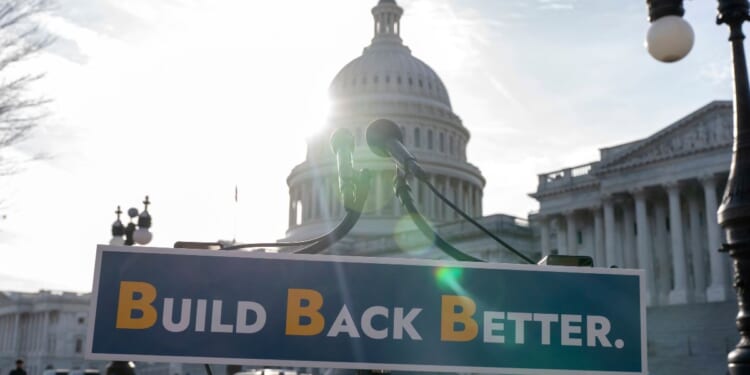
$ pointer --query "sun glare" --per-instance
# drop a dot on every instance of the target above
(317, 112)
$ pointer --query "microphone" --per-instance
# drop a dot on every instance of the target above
(342, 144)
(385, 139)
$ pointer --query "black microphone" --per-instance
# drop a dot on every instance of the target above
(385, 139)
(342, 144)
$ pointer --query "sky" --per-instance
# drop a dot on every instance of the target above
(183, 100)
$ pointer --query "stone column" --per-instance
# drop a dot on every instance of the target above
(441, 206)
(644, 243)
(45, 331)
(609, 232)
(628, 246)
(696, 249)
(663, 265)
(305, 202)
(678, 294)
(292, 209)
(544, 235)
(473, 201)
(432, 199)
(15, 336)
(717, 290)
(598, 252)
(570, 222)
(479, 202)
(465, 198)
(562, 246)
(452, 196)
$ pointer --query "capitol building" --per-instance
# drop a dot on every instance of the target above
(650, 203)
(387, 81)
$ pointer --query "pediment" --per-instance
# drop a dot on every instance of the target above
(708, 128)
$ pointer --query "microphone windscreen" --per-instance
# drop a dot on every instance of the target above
(342, 137)
(379, 132)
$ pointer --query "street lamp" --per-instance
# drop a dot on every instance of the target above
(734, 213)
(133, 234)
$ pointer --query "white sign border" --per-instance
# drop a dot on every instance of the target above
(100, 249)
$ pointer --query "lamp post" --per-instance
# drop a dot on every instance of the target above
(670, 40)
(129, 235)
(132, 233)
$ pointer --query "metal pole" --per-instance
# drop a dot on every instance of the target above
(734, 213)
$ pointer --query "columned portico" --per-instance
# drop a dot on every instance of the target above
(654, 200)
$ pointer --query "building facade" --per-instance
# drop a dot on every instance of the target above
(386, 81)
(46, 329)
(649, 204)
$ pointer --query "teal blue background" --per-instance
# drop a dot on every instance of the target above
(359, 286)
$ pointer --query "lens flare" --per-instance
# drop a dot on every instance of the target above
(450, 278)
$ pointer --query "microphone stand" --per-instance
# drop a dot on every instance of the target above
(475, 223)
(403, 191)
(314, 245)
(353, 212)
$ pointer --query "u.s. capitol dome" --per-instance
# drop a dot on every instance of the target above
(386, 81)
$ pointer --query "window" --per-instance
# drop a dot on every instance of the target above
(298, 213)
(579, 237)
(81, 320)
(417, 140)
(420, 83)
(398, 80)
(79, 345)
(429, 139)
(450, 145)
(411, 82)
(442, 142)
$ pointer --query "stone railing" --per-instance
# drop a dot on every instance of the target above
(566, 177)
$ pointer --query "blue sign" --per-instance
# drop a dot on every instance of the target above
(287, 310)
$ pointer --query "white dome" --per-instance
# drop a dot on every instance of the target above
(386, 81)
(389, 68)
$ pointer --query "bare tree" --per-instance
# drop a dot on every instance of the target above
(20, 39)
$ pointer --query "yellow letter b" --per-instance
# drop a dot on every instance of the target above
(295, 310)
(127, 303)
(450, 317)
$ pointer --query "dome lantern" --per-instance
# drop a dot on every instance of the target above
(387, 16)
